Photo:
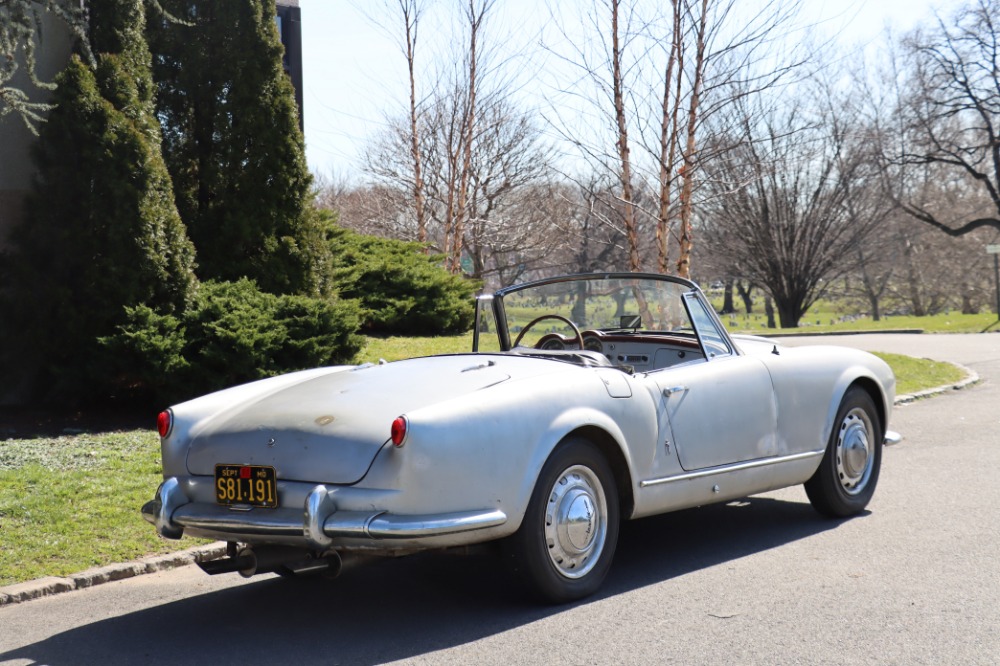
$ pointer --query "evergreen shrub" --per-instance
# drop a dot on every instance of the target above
(234, 333)
(402, 291)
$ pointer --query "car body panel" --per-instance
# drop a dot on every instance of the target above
(737, 393)
(328, 428)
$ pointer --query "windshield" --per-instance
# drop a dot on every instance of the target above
(597, 303)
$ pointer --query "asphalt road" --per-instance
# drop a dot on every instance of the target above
(766, 581)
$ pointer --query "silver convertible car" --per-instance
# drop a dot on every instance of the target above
(586, 400)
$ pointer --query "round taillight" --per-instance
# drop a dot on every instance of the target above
(398, 431)
(164, 422)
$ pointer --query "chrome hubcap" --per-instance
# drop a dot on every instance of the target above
(576, 521)
(854, 452)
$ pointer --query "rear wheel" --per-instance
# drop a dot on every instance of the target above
(565, 544)
(845, 481)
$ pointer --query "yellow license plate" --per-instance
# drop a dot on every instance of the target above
(253, 485)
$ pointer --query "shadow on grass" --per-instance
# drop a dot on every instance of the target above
(412, 607)
(25, 422)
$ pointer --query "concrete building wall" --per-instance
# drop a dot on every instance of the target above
(16, 167)
(290, 29)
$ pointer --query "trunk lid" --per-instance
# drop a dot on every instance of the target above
(328, 429)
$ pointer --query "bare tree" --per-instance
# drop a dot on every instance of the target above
(507, 228)
(410, 11)
(780, 205)
(475, 13)
(625, 161)
(695, 54)
(952, 107)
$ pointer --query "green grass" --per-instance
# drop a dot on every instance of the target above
(71, 503)
(822, 321)
(920, 374)
(397, 348)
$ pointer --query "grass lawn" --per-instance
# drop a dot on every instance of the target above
(70, 503)
(827, 321)
(920, 374)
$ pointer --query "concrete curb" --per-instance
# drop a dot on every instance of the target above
(805, 333)
(44, 587)
(971, 377)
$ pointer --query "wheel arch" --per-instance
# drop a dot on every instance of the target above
(612, 452)
(874, 391)
(864, 380)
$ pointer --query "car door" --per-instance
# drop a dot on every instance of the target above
(720, 410)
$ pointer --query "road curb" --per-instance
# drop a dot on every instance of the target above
(971, 377)
(44, 587)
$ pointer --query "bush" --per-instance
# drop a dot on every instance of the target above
(101, 231)
(234, 333)
(402, 290)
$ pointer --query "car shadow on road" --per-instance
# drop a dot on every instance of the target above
(411, 607)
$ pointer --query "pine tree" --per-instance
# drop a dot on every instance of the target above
(101, 232)
(233, 145)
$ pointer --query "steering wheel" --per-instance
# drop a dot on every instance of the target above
(579, 336)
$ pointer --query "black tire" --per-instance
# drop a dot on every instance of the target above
(846, 479)
(564, 547)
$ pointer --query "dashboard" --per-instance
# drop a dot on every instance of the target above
(640, 351)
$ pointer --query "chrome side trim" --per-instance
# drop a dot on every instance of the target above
(892, 438)
(736, 467)
(389, 526)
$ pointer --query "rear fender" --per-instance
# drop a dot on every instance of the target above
(583, 421)
(487, 450)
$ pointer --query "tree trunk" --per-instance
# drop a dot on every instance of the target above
(873, 302)
(687, 175)
(727, 297)
(468, 130)
(668, 138)
(631, 230)
(418, 183)
(746, 293)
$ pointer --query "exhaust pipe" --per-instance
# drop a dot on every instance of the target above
(330, 565)
(226, 565)
(249, 562)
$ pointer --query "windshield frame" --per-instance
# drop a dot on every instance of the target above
(689, 289)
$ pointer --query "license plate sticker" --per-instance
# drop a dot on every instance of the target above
(251, 485)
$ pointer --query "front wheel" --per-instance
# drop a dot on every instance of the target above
(845, 481)
(565, 544)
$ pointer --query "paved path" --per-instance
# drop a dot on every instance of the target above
(913, 581)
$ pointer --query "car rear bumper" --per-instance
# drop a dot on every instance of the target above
(319, 524)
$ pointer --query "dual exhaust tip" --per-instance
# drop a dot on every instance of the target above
(249, 562)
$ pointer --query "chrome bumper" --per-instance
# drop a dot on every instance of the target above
(318, 523)
(892, 438)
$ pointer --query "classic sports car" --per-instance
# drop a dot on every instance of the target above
(586, 400)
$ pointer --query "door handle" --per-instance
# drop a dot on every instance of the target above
(667, 392)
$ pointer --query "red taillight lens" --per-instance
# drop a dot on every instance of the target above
(398, 431)
(164, 422)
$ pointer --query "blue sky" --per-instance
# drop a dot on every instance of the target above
(354, 73)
